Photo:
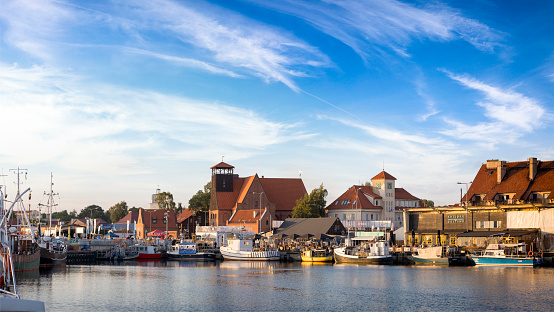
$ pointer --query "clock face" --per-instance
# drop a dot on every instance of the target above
(379, 186)
(389, 185)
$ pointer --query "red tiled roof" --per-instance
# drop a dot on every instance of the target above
(383, 175)
(283, 192)
(356, 196)
(222, 165)
(400, 193)
(147, 215)
(185, 214)
(246, 216)
(131, 216)
(516, 180)
(228, 200)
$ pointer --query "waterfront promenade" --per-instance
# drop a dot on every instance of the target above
(262, 286)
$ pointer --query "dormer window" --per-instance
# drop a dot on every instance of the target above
(154, 221)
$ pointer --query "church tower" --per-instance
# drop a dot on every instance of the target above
(222, 182)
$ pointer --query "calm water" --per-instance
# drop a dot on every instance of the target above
(245, 286)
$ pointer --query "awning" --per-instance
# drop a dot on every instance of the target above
(157, 233)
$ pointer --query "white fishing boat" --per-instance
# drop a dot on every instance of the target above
(53, 251)
(372, 252)
(9, 298)
(435, 255)
(243, 249)
(514, 254)
(188, 250)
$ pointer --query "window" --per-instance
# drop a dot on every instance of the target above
(154, 221)
(256, 204)
(453, 240)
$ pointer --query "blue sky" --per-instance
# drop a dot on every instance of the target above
(118, 97)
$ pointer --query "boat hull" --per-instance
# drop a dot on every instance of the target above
(192, 257)
(51, 258)
(341, 257)
(148, 256)
(272, 255)
(432, 261)
(505, 261)
(318, 259)
(28, 262)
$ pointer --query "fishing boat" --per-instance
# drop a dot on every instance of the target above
(370, 252)
(436, 255)
(513, 254)
(9, 298)
(53, 251)
(317, 255)
(188, 250)
(243, 249)
(143, 253)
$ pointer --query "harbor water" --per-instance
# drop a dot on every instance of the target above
(274, 286)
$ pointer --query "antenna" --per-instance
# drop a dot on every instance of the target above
(19, 171)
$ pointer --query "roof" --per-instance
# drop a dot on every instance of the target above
(283, 192)
(131, 216)
(515, 233)
(222, 165)
(400, 193)
(303, 226)
(147, 215)
(383, 175)
(185, 214)
(356, 197)
(516, 180)
(246, 216)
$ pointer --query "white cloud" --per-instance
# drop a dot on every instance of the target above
(55, 117)
(511, 114)
(372, 27)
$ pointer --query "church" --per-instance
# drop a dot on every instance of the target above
(253, 202)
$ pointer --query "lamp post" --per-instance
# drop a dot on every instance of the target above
(260, 211)
(467, 204)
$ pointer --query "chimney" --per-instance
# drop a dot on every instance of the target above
(500, 166)
(532, 168)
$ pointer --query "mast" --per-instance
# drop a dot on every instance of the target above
(50, 202)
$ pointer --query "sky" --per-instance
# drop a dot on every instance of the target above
(119, 98)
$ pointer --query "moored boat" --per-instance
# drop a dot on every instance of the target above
(242, 249)
(189, 251)
(143, 252)
(371, 252)
(434, 255)
(506, 255)
(317, 255)
(52, 252)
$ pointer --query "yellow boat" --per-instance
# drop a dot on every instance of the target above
(317, 255)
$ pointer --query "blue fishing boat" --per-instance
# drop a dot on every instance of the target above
(507, 255)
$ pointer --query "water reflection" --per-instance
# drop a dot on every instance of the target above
(270, 286)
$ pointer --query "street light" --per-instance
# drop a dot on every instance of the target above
(467, 204)
(260, 209)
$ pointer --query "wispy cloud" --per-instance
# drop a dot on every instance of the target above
(215, 40)
(85, 126)
(511, 114)
(376, 28)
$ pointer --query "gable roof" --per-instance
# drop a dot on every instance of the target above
(283, 192)
(185, 214)
(400, 193)
(303, 226)
(383, 175)
(131, 216)
(222, 165)
(146, 216)
(246, 216)
(356, 197)
(516, 180)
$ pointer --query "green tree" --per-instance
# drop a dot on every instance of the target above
(93, 211)
(201, 200)
(165, 200)
(427, 203)
(61, 215)
(118, 211)
(135, 209)
(311, 205)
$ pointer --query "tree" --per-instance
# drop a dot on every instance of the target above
(311, 205)
(93, 211)
(118, 211)
(165, 200)
(61, 215)
(201, 200)
(135, 209)
(427, 203)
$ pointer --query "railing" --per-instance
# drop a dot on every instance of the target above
(543, 201)
(384, 224)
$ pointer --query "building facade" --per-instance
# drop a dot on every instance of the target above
(514, 199)
(264, 199)
(379, 205)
